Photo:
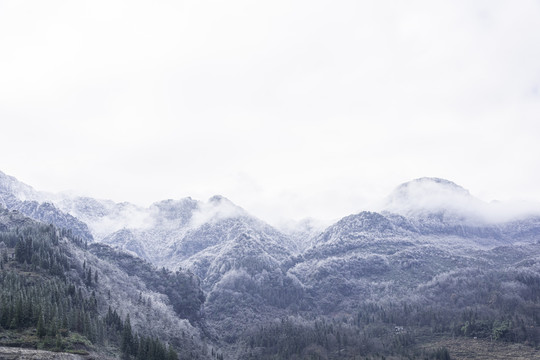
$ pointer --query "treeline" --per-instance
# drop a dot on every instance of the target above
(473, 321)
(52, 306)
(55, 309)
(134, 345)
(36, 247)
(500, 305)
(332, 339)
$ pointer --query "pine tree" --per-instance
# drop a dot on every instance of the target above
(89, 277)
(20, 251)
(41, 331)
(172, 355)
(17, 316)
(127, 337)
(59, 345)
(54, 328)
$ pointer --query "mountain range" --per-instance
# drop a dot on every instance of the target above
(434, 260)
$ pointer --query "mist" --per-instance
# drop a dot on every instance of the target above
(425, 196)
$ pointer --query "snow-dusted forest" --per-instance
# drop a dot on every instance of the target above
(190, 279)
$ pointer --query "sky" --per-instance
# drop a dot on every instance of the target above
(290, 109)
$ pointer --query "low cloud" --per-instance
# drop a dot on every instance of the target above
(217, 208)
(127, 218)
(425, 196)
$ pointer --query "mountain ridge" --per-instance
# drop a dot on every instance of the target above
(413, 252)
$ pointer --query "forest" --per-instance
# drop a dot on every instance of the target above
(499, 306)
(47, 303)
(59, 293)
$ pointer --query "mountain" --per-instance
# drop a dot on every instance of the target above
(429, 227)
(431, 257)
(425, 196)
(433, 269)
(18, 196)
(225, 247)
(217, 241)
(9, 185)
(56, 294)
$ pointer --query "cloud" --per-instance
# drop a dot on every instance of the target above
(425, 196)
(115, 217)
(217, 208)
(327, 101)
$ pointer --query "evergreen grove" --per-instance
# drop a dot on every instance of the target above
(37, 298)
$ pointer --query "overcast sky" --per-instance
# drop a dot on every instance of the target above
(288, 108)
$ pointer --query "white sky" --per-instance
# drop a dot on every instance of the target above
(288, 108)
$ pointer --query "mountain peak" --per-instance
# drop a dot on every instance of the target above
(11, 185)
(433, 183)
(219, 199)
(419, 189)
(430, 195)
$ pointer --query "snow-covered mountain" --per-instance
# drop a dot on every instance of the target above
(210, 238)
(172, 232)
(427, 197)
(430, 231)
(199, 235)
(183, 232)
(160, 303)
(429, 227)
(229, 250)
(9, 185)
(17, 196)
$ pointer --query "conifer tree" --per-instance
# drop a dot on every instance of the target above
(127, 337)
(171, 354)
(89, 276)
(41, 331)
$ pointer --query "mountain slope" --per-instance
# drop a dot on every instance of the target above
(64, 286)
(15, 195)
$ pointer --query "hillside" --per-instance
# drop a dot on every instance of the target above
(57, 295)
